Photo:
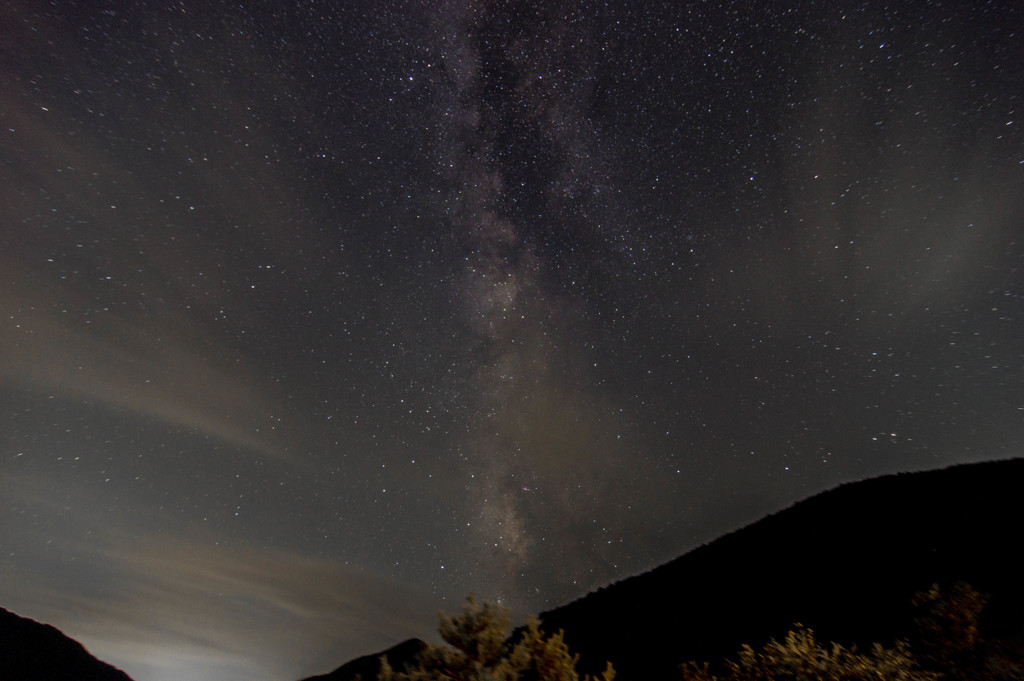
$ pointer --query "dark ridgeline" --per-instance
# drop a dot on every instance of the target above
(845, 563)
(366, 667)
(31, 651)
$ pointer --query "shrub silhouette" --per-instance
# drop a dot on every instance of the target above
(800, 658)
(479, 648)
(948, 646)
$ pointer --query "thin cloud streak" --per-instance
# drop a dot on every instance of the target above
(174, 596)
(137, 367)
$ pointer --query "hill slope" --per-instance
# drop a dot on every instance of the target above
(845, 563)
(31, 651)
(366, 667)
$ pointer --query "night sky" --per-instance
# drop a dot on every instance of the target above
(317, 316)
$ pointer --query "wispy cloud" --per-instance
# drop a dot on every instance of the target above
(191, 609)
(151, 366)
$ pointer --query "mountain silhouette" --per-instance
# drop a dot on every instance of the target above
(366, 667)
(845, 563)
(32, 651)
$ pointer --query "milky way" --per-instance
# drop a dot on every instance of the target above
(315, 318)
(526, 203)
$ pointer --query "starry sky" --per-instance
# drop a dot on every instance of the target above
(317, 316)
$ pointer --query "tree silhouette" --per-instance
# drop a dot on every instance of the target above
(479, 648)
(949, 638)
